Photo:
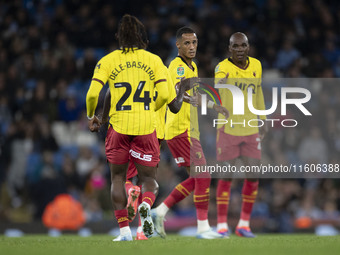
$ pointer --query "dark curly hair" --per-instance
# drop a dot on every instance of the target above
(131, 34)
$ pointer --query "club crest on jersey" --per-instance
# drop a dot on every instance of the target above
(254, 73)
(198, 155)
(180, 70)
(96, 69)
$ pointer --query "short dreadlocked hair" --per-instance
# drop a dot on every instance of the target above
(131, 34)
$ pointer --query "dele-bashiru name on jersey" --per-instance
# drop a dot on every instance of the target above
(132, 64)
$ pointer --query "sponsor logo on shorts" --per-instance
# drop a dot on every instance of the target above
(179, 160)
(139, 156)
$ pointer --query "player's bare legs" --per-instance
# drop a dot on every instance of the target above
(119, 200)
(118, 178)
(147, 178)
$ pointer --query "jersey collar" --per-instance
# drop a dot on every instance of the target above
(193, 68)
(230, 59)
(133, 48)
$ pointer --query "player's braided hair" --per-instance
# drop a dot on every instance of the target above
(131, 34)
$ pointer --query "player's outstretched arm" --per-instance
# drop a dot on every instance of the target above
(197, 100)
(218, 108)
(181, 88)
(189, 83)
(176, 104)
(221, 109)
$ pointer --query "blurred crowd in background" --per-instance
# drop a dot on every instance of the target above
(49, 48)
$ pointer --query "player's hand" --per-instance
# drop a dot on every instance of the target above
(222, 110)
(195, 99)
(187, 98)
(181, 90)
(185, 85)
(263, 130)
(223, 80)
(188, 83)
(94, 124)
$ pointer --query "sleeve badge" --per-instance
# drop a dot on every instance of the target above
(180, 70)
(96, 69)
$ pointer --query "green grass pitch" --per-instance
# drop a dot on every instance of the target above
(174, 244)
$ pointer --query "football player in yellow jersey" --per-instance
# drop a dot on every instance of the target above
(174, 103)
(182, 136)
(132, 74)
(237, 139)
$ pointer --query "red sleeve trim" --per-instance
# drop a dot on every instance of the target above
(102, 83)
(173, 100)
(162, 80)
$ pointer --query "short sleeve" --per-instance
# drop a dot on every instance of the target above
(102, 70)
(219, 73)
(161, 73)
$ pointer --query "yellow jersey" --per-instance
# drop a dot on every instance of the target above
(132, 78)
(186, 119)
(243, 78)
(160, 120)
